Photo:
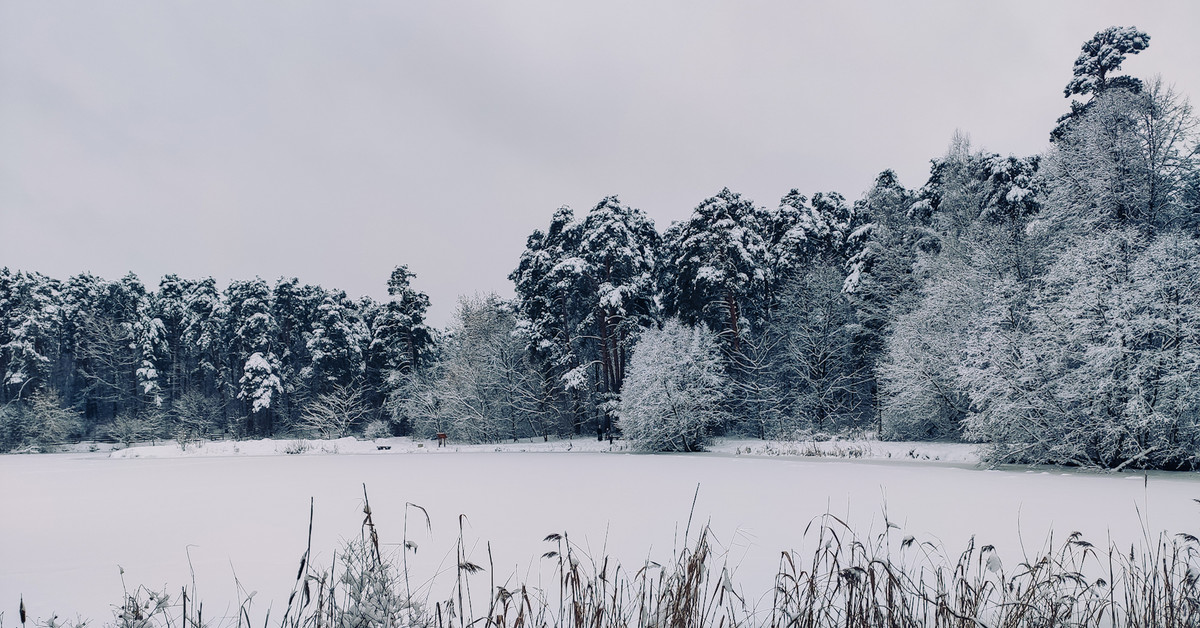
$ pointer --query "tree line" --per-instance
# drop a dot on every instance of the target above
(1046, 305)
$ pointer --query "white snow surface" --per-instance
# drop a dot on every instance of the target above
(242, 507)
(852, 448)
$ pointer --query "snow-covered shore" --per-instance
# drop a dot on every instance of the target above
(849, 448)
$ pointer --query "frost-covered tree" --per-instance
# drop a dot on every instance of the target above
(1103, 378)
(47, 423)
(336, 413)
(922, 397)
(1100, 55)
(252, 331)
(821, 381)
(401, 341)
(117, 349)
(1127, 160)
(978, 208)
(195, 415)
(555, 297)
(335, 344)
(672, 397)
(30, 334)
(807, 247)
(483, 388)
(715, 267)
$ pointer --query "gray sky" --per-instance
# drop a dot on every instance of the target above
(334, 140)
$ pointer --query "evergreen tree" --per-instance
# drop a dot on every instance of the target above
(252, 330)
(551, 285)
(1100, 55)
(401, 342)
(29, 333)
(715, 267)
(206, 356)
(882, 282)
(295, 310)
(617, 246)
(336, 344)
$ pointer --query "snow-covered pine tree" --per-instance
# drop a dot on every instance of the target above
(618, 245)
(881, 282)
(251, 331)
(799, 234)
(335, 343)
(169, 306)
(294, 308)
(401, 345)
(205, 354)
(29, 333)
(401, 340)
(714, 267)
(115, 354)
(554, 299)
(1100, 55)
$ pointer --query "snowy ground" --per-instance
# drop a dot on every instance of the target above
(830, 448)
(70, 519)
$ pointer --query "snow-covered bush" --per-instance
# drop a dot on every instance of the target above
(377, 429)
(297, 446)
(673, 390)
(44, 422)
(196, 416)
(129, 428)
(372, 591)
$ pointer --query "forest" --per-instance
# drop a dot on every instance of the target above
(1046, 306)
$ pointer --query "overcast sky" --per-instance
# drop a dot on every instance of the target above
(333, 141)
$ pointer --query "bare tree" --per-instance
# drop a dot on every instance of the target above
(335, 413)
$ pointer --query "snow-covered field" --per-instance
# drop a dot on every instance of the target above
(69, 520)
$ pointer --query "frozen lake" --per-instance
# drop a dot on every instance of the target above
(70, 519)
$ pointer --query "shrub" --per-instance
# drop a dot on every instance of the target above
(673, 391)
(377, 429)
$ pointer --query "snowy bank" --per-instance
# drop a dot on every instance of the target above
(858, 448)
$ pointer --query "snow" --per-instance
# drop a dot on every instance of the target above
(858, 448)
(241, 507)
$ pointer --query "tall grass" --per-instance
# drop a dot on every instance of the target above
(846, 581)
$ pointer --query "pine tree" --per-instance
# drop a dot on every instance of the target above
(715, 267)
(400, 337)
(401, 344)
(617, 245)
(29, 333)
(206, 356)
(335, 344)
(251, 332)
(551, 282)
(1103, 53)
